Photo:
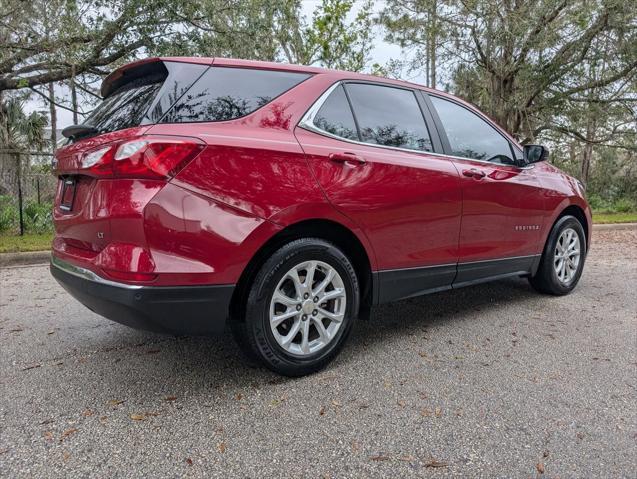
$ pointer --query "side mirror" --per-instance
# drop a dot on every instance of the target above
(535, 153)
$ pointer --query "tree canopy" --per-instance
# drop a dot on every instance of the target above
(559, 71)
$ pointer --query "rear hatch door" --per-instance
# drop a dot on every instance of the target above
(135, 97)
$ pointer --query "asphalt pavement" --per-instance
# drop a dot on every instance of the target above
(489, 381)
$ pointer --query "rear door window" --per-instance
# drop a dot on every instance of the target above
(389, 116)
(226, 93)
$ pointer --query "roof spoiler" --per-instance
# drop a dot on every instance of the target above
(131, 72)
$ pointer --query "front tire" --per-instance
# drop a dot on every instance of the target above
(563, 258)
(300, 308)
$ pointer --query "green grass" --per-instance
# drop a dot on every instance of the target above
(605, 217)
(28, 242)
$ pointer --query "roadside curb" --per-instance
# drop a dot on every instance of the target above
(22, 259)
(615, 226)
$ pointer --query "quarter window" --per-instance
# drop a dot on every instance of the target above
(335, 116)
(225, 93)
(389, 116)
(470, 136)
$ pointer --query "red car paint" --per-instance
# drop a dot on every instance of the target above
(262, 173)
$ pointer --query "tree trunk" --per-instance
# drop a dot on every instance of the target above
(588, 152)
(433, 15)
(74, 96)
(53, 115)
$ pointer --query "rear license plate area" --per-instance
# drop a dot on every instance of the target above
(68, 193)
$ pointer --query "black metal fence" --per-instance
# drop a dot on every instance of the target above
(25, 181)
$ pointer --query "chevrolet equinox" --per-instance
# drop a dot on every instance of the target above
(285, 201)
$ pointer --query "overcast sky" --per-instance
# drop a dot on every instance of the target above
(381, 54)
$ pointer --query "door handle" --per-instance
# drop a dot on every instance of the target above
(474, 173)
(348, 158)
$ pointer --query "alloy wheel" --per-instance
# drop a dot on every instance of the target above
(567, 255)
(307, 308)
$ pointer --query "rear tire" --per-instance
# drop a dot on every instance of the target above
(300, 308)
(563, 258)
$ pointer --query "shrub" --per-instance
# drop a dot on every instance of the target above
(38, 218)
(8, 214)
(597, 202)
(624, 205)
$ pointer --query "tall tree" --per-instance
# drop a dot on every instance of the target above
(416, 25)
(93, 33)
(520, 61)
(275, 31)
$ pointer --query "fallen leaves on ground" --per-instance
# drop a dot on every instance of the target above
(170, 398)
(67, 433)
(138, 417)
(114, 402)
(435, 463)
(540, 467)
(277, 402)
(322, 411)
(189, 461)
(379, 457)
(222, 447)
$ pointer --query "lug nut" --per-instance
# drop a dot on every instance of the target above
(304, 317)
(316, 299)
(314, 313)
(298, 307)
(306, 295)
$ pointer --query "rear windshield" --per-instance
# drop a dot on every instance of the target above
(124, 108)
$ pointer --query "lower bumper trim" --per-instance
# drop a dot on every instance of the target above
(191, 310)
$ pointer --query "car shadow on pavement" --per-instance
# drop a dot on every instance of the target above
(403, 317)
(155, 365)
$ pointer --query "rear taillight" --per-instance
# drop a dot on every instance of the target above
(153, 157)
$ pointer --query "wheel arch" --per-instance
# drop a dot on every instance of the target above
(580, 215)
(325, 229)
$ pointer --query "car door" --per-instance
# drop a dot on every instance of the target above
(369, 147)
(503, 203)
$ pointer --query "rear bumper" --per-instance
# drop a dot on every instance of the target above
(193, 310)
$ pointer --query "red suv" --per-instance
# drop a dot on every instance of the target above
(285, 201)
